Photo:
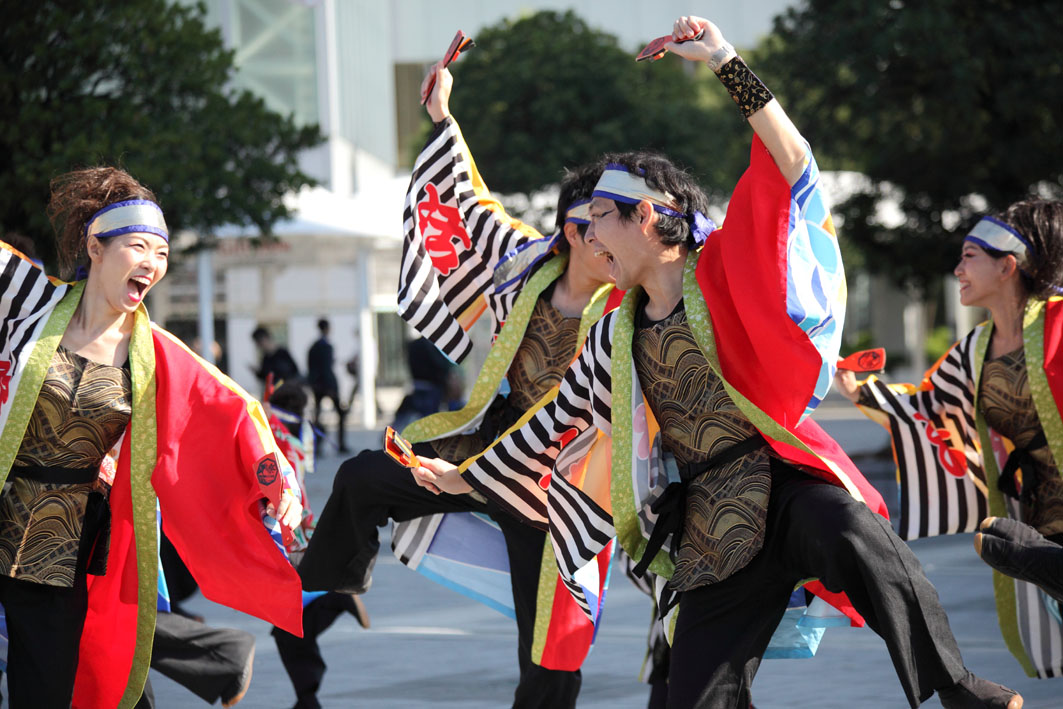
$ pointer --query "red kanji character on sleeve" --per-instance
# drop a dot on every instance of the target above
(439, 225)
(5, 379)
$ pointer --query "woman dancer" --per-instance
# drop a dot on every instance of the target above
(101, 412)
(982, 434)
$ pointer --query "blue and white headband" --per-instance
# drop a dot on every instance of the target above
(133, 215)
(620, 185)
(579, 212)
(990, 233)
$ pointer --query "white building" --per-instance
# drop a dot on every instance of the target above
(354, 67)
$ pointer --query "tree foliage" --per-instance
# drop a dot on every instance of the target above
(545, 91)
(141, 84)
(951, 106)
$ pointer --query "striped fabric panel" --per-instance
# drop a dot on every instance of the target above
(433, 295)
(579, 530)
(514, 472)
(27, 296)
(934, 437)
(1040, 630)
(410, 540)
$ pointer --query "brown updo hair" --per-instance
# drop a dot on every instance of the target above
(1040, 221)
(76, 197)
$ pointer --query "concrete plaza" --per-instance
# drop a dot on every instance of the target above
(430, 647)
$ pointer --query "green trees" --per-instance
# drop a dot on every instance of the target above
(546, 91)
(952, 107)
(142, 84)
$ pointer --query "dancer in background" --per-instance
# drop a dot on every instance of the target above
(978, 441)
(301, 656)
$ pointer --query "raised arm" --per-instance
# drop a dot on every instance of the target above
(455, 234)
(763, 112)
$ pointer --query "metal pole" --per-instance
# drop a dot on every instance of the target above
(366, 341)
(205, 276)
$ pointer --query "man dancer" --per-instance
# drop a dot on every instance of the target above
(715, 359)
(463, 255)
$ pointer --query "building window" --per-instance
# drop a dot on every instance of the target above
(410, 116)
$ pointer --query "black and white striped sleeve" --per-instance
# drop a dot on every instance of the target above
(25, 293)
(455, 233)
(516, 471)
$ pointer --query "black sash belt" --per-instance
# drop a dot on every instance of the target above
(55, 475)
(1021, 459)
(671, 505)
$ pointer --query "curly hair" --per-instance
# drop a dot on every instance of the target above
(1040, 221)
(662, 174)
(76, 197)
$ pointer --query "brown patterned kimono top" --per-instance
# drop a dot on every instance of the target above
(726, 506)
(53, 506)
(1005, 401)
(539, 365)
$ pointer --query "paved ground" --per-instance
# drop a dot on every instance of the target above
(429, 647)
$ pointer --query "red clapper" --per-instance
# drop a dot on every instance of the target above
(400, 449)
(656, 48)
(865, 361)
(459, 44)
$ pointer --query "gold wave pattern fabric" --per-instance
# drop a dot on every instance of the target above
(1007, 405)
(538, 365)
(726, 507)
(544, 354)
(82, 410)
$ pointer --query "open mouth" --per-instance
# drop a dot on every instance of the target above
(136, 289)
(605, 254)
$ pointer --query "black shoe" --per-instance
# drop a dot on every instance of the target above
(353, 604)
(973, 692)
(241, 684)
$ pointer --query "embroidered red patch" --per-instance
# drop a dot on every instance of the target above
(267, 472)
(440, 225)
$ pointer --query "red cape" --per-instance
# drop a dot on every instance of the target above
(747, 303)
(213, 465)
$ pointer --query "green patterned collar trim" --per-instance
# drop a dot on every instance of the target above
(621, 488)
(1033, 335)
(496, 363)
(29, 387)
(143, 455)
(1004, 586)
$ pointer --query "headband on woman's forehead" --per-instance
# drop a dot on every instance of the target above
(579, 212)
(994, 234)
(133, 215)
(618, 184)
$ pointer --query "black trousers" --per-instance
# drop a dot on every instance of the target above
(207, 661)
(44, 625)
(301, 657)
(341, 411)
(814, 529)
(370, 489)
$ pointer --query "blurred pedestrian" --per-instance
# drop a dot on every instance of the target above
(275, 360)
(320, 361)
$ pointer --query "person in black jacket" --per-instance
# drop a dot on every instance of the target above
(322, 380)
